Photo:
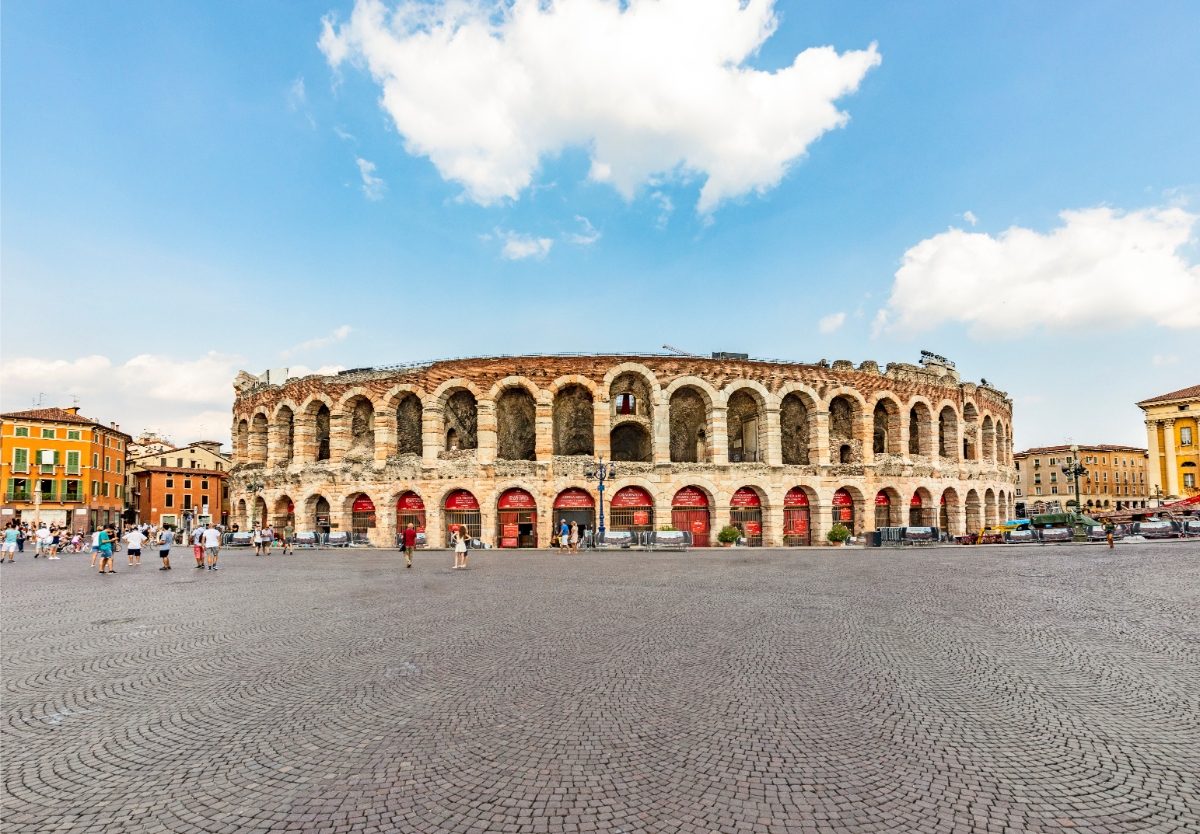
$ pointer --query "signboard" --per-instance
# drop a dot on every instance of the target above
(516, 499)
(574, 498)
(631, 496)
(795, 497)
(753, 528)
(641, 518)
(510, 531)
(699, 525)
(689, 497)
(881, 500)
(841, 498)
(843, 514)
(363, 504)
(410, 501)
(322, 520)
(797, 527)
(916, 501)
(460, 499)
(745, 497)
(509, 542)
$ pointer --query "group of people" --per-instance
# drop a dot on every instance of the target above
(50, 542)
(264, 538)
(568, 536)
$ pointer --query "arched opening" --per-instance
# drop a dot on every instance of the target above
(689, 426)
(631, 442)
(988, 439)
(1002, 507)
(845, 445)
(970, 426)
(243, 514)
(689, 512)
(1003, 448)
(795, 428)
(631, 508)
(883, 509)
(797, 529)
(575, 505)
(321, 432)
(516, 422)
(990, 517)
(409, 417)
(242, 440)
(885, 436)
(574, 418)
(743, 420)
(843, 509)
(260, 512)
(947, 434)
(362, 518)
(410, 509)
(257, 446)
(948, 512)
(629, 396)
(745, 513)
(284, 515)
(361, 413)
(460, 421)
(516, 519)
(920, 430)
(285, 422)
(974, 508)
(460, 511)
(916, 509)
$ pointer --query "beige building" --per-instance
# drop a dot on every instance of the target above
(1173, 436)
(203, 455)
(1116, 479)
(502, 447)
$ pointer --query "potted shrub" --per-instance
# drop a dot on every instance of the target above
(728, 535)
(838, 534)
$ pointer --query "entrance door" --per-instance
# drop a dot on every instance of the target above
(631, 508)
(362, 520)
(461, 512)
(516, 519)
(689, 511)
(883, 510)
(797, 531)
(745, 513)
(843, 509)
(916, 512)
(410, 509)
(576, 505)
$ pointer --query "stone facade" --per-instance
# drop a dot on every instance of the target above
(905, 445)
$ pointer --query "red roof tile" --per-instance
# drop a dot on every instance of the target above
(58, 415)
(1190, 393)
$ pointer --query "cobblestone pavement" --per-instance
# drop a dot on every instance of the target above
(946, 690)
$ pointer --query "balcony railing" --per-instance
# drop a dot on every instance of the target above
(18, 495)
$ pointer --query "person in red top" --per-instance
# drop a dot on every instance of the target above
(410, 544)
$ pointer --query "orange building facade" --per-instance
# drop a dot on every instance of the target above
(181, 498)
(61, 468)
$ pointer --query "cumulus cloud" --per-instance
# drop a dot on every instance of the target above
(1100, 268)
(518, 247)
(338, 334)
(831, 323)
(373, 187)
(970, 217)
(648, 87)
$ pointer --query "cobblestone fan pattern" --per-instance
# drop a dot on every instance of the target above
(946, 690)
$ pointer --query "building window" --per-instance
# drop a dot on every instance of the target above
(1054, 490)
(170, 482)
(1037, 490)
(119, 464)
(21, 431)
(179, 462)
(204, 484)
(48, 434)
(73, 434)
(170, 502)
(72, 463)
(107, 463)
(187, 483)
(95, 460)
(162, 461)
(167, 520)
(1189, 480)
(95, 488)
(219, 467)
(20, 460)
(105, 490)
(187, 502)
(1185, 436)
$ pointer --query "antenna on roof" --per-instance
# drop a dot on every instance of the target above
(41, 396)
(74, 399)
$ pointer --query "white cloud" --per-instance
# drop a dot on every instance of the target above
(831, 322)
(373, 187)
(1160, 360)
(338, 334)
(297, 100)
(1100, 268)
(343, 134)
(660, 87)
(587, 235)
(970, 217)
(665, 208)
(517, 246)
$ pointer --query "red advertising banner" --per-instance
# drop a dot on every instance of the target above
(797, 527)
(631, 496)
(881, 500)
(363, 504)
(841, 498)
(699, 525)
(291, 508)
(844, 514)
(460, 499)
(509, 542)
(510, 531)
(410, 501)
(753, 528)
(516, 499)
(745, 497)
(641, 518)
(795, 497)
(574, 499)
(916, 501)
(689, 497)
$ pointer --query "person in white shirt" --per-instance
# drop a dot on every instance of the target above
(43, 542)
(212, 545)
(133, 545)
(166, 538)
(198, 546)
(95, 547)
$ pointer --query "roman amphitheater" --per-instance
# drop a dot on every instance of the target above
(780, 450)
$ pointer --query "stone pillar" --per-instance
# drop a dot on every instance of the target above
(486, 432)
(543, 426)
(435, 533)
(1153, 460)
(718, 436)
(660, 428)
(905, 439)
(865, 430)
(339, 436)
(304, 438)
(770, 445)
(773, 524)
(431, 440)
(1169, 441)
(385, 436)
(820, 519)
(602, 428)
(276, 443)
(257, 445)
(822, 432)
(384, 534)
(487, 521)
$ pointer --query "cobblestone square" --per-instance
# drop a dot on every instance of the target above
(941, 690)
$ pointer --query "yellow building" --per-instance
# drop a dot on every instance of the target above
(1171, 432)
(1115, 480)
(61, 468)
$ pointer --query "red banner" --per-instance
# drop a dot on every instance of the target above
(699, 525)
(510, 531)
(745, 497)
(841, 498)
(844, 514)
(516, 499)
(881, 500)
(574, 499)
(795, 497)
(753, 528)
(689, 497)
(641, 518)
(410, 501)
(631, 496)
(915, 501)
(509, 542)
(460, 499)
(363, 504)
(797, 527)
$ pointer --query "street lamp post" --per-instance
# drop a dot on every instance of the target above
(1073, 468)
(601, 472)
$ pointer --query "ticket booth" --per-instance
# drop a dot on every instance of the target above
(843, 509)
(797, 530)
(689, 511)
(631, 508)
(576, 505)
(516, 519)
(410, 509)
(745, 513)
(460, 510)
(362, 519)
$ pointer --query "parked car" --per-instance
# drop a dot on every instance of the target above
(240, 539)
(616, 540)
(1022, 536)
(1161, 529)
(338, 539)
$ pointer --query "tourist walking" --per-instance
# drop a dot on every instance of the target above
(256, 537)
(285, 544)
(268, 537)
(198, 545)
(9, 550)
(95, 547)
(43, 542)
(21, 536)
(165, 539)
(410, 544)
(574, 538)
(212, 545)
(134, 539)
(460, 548)
(564, 535)
(105, 541)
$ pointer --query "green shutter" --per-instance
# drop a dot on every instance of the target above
(21, 460)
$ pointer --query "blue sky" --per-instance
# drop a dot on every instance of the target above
(193, 188)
